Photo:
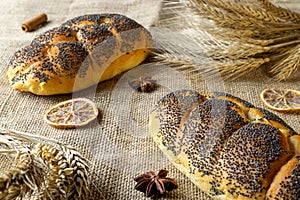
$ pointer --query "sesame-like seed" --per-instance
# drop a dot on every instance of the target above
(290, 187)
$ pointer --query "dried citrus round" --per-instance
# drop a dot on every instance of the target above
(71, 113)
(283, 100)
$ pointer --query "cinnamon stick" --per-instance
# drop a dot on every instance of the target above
(34, 22)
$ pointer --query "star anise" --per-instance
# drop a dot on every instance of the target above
(155, 185)
(143, 84)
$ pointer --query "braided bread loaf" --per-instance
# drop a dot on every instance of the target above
(80, 53)
(227, 147)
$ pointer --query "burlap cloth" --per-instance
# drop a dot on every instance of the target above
(118, 144)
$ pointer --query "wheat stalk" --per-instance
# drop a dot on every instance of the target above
(54, 161)
(288, 65)
(22, 180)
(281, 12)
(68, 177)
(79, 189)
(47, 168)
(228, 12)
(237, 33)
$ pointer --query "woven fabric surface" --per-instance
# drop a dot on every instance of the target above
(118, 143)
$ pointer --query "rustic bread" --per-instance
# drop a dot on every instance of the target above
(80, 53)
(229, 148)
(286, 183)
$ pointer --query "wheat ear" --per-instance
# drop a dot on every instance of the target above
(288, 65)
(45, 167)
(281, 12)
(240, 37)
(67, 173)
(242, 10)
(22, 180)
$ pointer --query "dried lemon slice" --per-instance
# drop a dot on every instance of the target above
(71, 113)
(283, 100)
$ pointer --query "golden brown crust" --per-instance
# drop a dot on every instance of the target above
(225, 145)
(204, 137)
(244, 105)
(175, 109)
(286, 183)
(55, 35)
(295, 143)
(80, 53)
(249, 161)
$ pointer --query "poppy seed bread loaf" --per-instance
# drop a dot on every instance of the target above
(78, 54)
(229, 148)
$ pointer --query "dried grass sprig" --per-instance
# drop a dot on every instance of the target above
(43, 167)
(237, 33)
